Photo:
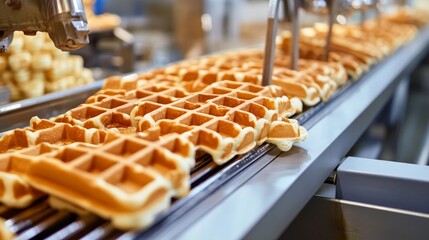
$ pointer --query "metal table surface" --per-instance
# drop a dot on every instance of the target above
(264, 199)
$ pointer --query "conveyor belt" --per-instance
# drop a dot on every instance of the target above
(41, 221)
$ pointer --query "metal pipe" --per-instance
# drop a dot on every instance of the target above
(362, 16)
(332, 6)
(270, 41)
(377, 7)
(294, 7)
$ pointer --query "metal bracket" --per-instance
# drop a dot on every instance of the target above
(385, 183)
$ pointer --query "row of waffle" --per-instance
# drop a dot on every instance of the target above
(405, 15)
(315, 81)
(355, 47)
(124, 155)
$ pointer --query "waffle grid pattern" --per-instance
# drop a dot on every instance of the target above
(124, 155)
(314, 82)
(225, 119)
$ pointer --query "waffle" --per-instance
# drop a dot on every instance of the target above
(41, 130)
(5, 232)
(235, 117)
(15, 191)
(168, 161)
(20, 145)
(128, 179)
(112, 113)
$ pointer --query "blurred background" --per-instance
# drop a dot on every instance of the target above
(153, 33)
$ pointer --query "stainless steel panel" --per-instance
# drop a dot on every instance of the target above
(384, 183)
(324, 218)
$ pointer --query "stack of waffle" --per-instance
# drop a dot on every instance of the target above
(416, 17)
(33, 66)
(124, 154)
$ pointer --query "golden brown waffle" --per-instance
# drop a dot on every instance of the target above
(113, 112)
(136, 81)
(5, 232)
(21, 145)
(129, 178)
(126, 180)
(48, 132)
(15, 191)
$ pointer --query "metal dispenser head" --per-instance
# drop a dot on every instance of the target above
(64, 20)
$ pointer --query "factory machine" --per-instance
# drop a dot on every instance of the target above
(320, 189)
(65, 21)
